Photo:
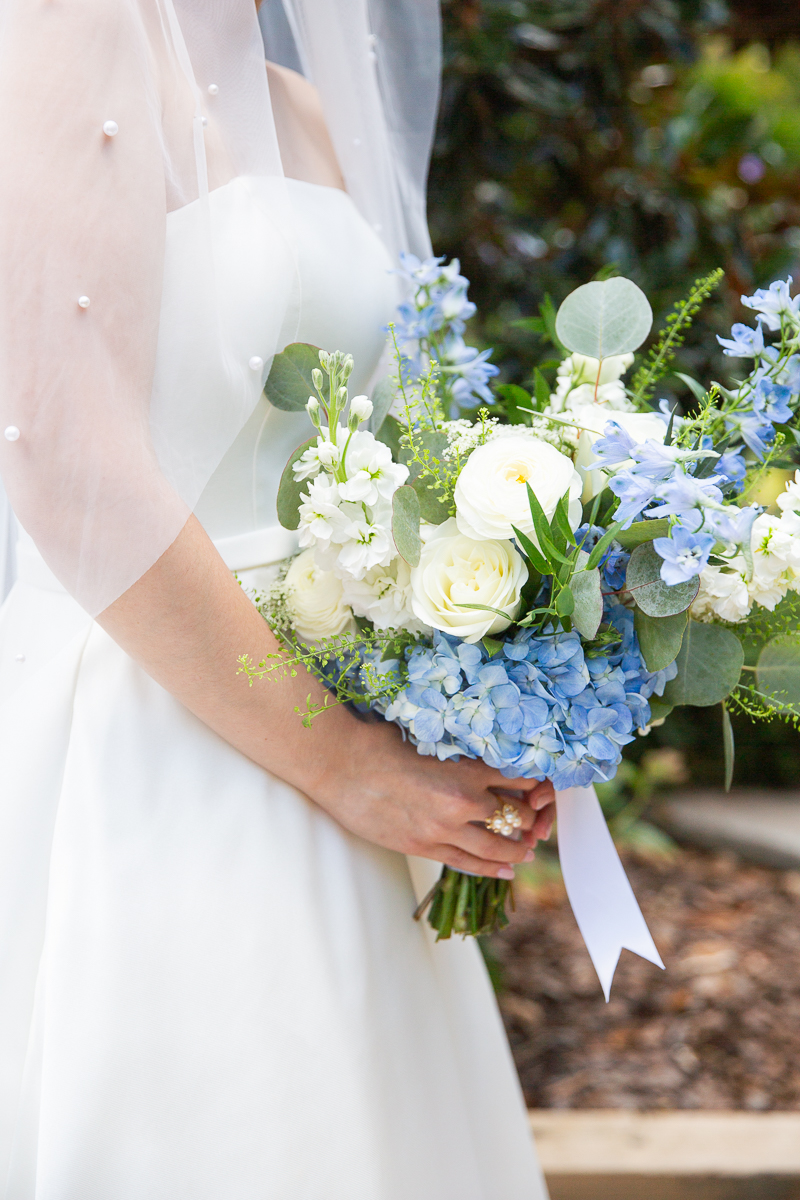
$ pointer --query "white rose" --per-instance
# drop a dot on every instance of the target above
(315, 599)
(593, 419)
(455, 570)
(491, 495)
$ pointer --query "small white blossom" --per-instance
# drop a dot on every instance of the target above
(723, 594)
(383, 596)
(371, 474)
(361, 408)
(323, 456)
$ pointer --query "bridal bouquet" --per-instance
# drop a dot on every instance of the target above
(538, 582)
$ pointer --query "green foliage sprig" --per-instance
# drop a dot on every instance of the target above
(678, 321)
(348, 664)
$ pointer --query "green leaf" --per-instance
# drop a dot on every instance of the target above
(492, 645)
(433, 508)
(382, 397)
(432, 440)
(289, 383)
(541, 389)
(729, 746)
(390, 433)
(565, 602)
(542, 528)
(604, 318)
(605, 541)
(588, 611)
(659, 638)
(778, 670)
(697, 389)
(405, 524)
(642, 531)
(540, 563)
(487, 608)
(656, 598)
(515, 401)
(658, 709)
(560, 521)
(709, 665)
(290, 489)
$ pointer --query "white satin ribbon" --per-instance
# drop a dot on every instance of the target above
(602, 899)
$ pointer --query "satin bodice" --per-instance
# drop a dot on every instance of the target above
(346, 295)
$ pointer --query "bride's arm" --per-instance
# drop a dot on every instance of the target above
(186, 621)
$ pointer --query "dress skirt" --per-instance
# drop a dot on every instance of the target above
(208, 989)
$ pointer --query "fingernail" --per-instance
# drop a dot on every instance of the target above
(505, 873)
(529, 857)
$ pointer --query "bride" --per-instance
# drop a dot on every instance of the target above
(211, 985)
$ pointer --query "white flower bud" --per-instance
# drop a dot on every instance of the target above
(360, 410)
(312, 408)
(316, 378)
(347, 366)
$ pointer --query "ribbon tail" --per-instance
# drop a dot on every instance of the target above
(602, 899)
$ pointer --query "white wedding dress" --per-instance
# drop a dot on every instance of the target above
(208, 989)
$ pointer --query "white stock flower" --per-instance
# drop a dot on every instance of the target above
(322, 455)
(364, 545)
(593, 419)
(455, 570)
(723, 594)
(371, 473)
(321, 519)
(315, 599)
(383, 596)
(491, 495)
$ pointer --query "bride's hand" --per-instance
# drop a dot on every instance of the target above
(378, 787)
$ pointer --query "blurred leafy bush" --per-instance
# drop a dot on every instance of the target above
(575, 134)
(660, 138)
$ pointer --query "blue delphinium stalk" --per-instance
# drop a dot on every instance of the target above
(430, 327)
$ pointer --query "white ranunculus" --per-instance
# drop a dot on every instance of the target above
(491, 495)
(315, 599)
(593, 419)
(455, 570)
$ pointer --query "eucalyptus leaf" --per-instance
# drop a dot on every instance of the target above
(382, 397)
(642, 531)
(656, 598)
(390, 433)
(604, 318)
(778, 670)
(405, 524)
(659, 638)
(433, 508)
(289, 383)
(709, 665)
(565, 602)
(432, 440)
(588, 611)
(728, 745)
(290, 489)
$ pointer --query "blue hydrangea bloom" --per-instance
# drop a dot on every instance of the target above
(537, 709)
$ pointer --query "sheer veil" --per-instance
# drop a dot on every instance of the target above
(123, 115)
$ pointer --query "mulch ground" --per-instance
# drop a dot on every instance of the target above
(719, 1029)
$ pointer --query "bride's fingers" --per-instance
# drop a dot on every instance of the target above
(541, 795)
(461, 860)
(543, 825)
(492, 847)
